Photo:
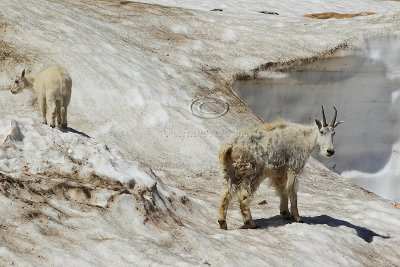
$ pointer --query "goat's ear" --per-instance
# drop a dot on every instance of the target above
(337, 123)
(28, 70)
(23, 73)
(318, 123)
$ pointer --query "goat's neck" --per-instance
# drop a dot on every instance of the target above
(311, 133)
(29, 84)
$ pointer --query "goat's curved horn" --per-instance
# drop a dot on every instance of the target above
(334, 118)
(323, 117)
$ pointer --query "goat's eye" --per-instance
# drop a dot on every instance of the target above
(321, 132)
(16, 81)
(333, 134)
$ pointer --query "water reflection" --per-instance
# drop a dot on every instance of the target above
(363, 87)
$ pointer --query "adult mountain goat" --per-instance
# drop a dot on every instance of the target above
(53, 88)
(277, 151)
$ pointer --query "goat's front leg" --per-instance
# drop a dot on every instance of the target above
(42, 104)
(244, 202)
(64, 111)
(283, 206)
(292, 190)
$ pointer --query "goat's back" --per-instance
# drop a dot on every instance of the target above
(277, 145)
(55, 79)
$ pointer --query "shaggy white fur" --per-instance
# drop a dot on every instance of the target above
(53, 88)
(277, 151)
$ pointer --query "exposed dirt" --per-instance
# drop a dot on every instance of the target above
(37, 191)
(148, 7)
(284, 65)
(34, 196)
(147, 12)
(3, 24)
(334, 15)
(10, 55)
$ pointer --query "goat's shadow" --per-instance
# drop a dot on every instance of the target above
(364, 233)
(274, 221)
(72, 130)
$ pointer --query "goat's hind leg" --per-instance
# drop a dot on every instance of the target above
(223, 209)
(244, 202)
(43, 109)
(64, 111)
(51, 104)
(292, 190)
(58, 111)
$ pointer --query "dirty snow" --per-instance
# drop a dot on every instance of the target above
(66, 198)
(290, 8)
(34, 150)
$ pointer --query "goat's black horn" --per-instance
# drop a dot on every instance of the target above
(334, 118)
(323, 117)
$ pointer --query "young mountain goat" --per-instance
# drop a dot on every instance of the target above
(53, 87)
(279, 151)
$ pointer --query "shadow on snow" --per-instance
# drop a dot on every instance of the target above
(72, 130)
(364, 233)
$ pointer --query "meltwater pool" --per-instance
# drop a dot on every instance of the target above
(365, 88)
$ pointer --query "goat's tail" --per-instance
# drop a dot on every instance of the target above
(225, 155)
(225, 158)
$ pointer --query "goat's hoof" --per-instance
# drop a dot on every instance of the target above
(223, 225)
(64, 125)
(286, 215)
(298, 219)
(52, 125)
(249, 225)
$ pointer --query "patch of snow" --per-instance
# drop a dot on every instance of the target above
(271, 75)
(373, 181)
(180, 29)
(229, 35)
(283, 8)
(395, 96)
(41, 149)
(248, 62)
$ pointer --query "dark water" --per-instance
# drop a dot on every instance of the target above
(363, 86)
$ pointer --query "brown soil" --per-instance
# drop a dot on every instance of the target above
(9, 53)
(334, 15)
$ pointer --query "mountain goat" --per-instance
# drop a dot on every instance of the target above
(277, 151)
(53, 88)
